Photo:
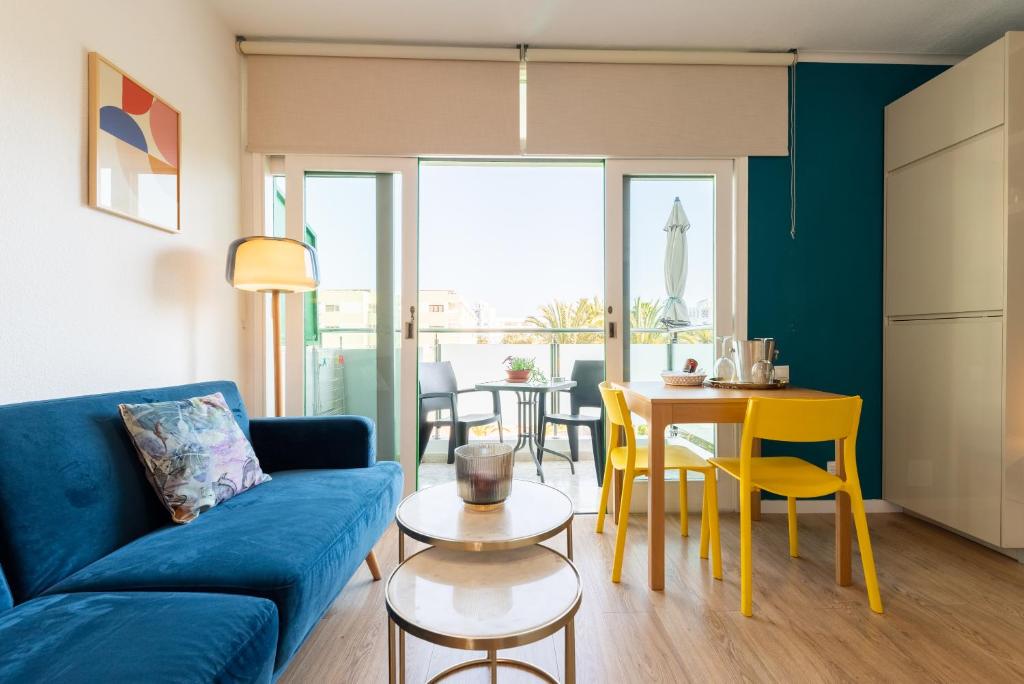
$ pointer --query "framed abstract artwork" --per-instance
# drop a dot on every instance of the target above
(134, 149)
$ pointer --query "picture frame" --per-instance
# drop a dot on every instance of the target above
(134, 149)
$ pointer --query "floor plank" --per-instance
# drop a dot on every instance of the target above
(954, 612)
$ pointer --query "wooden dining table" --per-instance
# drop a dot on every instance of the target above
(661, 405)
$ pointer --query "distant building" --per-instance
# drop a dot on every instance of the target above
(701, 313)
(348, 318)
(446, 309)
(354, 312)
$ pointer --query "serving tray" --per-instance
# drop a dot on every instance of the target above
(728, 384)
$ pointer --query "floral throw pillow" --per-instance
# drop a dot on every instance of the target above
(194, 453)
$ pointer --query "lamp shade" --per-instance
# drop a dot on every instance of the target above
(270, 264)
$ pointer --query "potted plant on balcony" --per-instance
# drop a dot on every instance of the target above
(519, 368)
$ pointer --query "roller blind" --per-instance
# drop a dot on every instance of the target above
(370, 106)
(656, 110)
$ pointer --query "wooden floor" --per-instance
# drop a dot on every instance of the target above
(954, 613)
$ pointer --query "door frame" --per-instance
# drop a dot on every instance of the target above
(730, 292)
(296, 166)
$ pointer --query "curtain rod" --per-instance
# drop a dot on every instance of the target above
(494, 54)
(708, 57)
(325, 49)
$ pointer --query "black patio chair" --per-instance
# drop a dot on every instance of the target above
(439, 393)
(588, 375)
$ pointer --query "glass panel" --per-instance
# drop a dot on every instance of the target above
(351, 338)
(512, 264)
(652, 347)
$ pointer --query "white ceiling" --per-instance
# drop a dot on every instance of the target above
(937, 27)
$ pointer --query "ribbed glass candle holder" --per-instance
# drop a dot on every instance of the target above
(484, 472)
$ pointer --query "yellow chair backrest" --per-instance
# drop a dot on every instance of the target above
(618, 414)
(804, 420)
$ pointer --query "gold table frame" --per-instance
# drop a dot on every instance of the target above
(397, 626)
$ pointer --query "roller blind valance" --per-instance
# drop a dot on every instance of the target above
(379, 107)
(657, 110)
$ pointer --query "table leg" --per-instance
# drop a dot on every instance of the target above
(528, 417)
(536, 398)
(401, 546)
(492, 656)
(755, 496)
(656, 499)
(521, 409)
(568, 541)
(844, 573)
(401, 655)
(570, 652)
(391, 651)
(529, 406)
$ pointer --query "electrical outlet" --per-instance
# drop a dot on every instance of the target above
(831, 467)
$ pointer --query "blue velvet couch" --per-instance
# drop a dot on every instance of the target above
(96, 583)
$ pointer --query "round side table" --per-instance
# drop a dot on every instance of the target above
(485, 601)
(482, 561)
(532, 513)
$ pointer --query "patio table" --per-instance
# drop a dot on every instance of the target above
(529, 400)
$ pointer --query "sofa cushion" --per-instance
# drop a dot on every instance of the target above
(194, 453)
(71, 487)
(149, 637)
(295, 540)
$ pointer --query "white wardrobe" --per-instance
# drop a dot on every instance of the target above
(954, 297)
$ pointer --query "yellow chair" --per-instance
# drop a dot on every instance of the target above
(632, 461)
(798, 420)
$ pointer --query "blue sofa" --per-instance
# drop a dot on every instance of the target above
(90, 563)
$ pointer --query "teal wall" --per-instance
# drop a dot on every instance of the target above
(820, 294)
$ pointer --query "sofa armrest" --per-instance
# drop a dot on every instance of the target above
(313, 442)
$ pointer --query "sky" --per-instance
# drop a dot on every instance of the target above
(514, 235)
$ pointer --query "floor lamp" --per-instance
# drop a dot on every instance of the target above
(274, 265)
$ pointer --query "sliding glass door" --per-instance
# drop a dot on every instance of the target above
(347, 341)
(512, 266)
(512, 253)
(674, 286)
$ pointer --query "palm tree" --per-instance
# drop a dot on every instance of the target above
(703, 336)
(589, 313)
(646, 313)
(583, 313)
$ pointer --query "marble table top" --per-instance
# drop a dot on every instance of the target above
(484, 599)
(533, 512)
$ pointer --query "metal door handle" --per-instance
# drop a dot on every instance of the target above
(410, 325)
(611, 330)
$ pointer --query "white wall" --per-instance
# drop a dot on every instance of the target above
(90, 302)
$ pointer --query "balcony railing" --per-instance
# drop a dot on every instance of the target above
(671, 338)
(477, 354)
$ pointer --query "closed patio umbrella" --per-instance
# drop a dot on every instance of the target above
(675, 312)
